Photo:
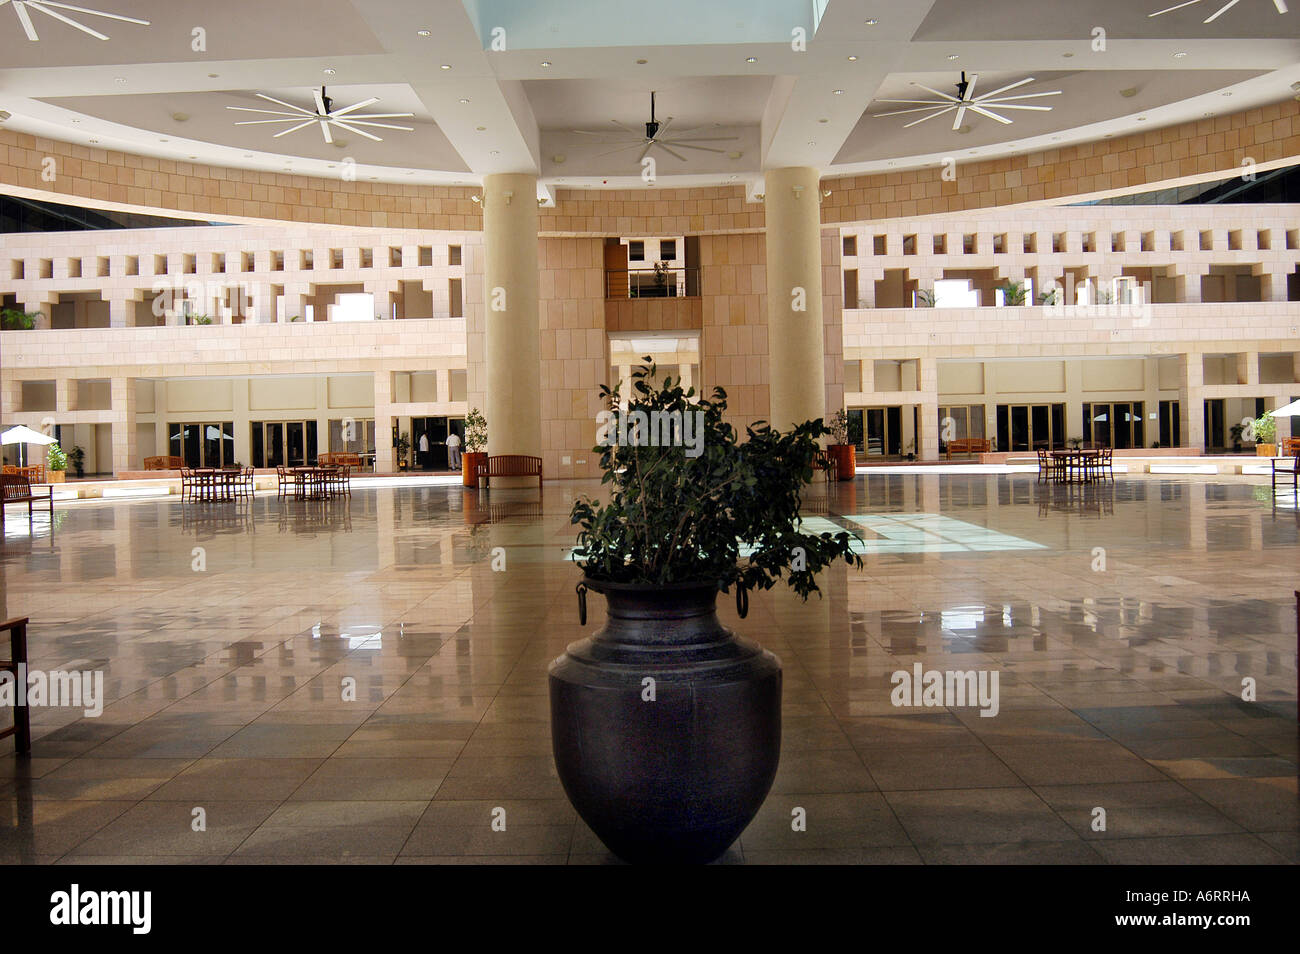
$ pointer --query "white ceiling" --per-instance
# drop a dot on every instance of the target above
(523, 75)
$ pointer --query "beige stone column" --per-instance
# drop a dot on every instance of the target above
(122, 391)
(797, 353)
(385, 454)
(1191, 403)
(513, 403)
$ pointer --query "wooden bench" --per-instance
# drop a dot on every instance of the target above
(969, 445)
(164, 463)
(509, 465)
(15, 488)
(339, 458)
(22, 727)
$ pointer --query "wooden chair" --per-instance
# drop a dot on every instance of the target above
(288, 481)
(1050, 468)
(22, 727)
(187, 484)
(1292, 472)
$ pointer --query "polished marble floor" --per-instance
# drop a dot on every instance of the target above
(1121, 620)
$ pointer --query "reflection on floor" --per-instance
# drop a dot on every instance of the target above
(356, 682)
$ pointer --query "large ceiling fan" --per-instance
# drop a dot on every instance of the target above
(984, 104)
(1280, 4)
(653, 137)
(346, 118)
(22, 8)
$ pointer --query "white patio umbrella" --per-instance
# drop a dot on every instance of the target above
(1287, 410)
(25, 435)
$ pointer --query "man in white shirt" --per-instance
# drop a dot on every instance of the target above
(424, 452)
(453, 451)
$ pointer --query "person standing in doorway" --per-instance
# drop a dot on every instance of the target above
(424, 451)
(453, 451)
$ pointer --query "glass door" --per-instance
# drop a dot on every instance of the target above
(295, 444)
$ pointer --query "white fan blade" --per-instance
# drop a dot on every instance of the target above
(998, 92)
(681, 145)
(1222, 10)
(359, 122)
(984, 112)
(352, 119)
(325, 130)
(917, 122)
(361, 105)
(961, 114)
(1008, 99)
(263, 122)
(621, 149)
(648, 146)
(360, 132)
(320, 102)
(635, 132)
(286, 132)
(68, 20)
(588, 132)
(919, 102)
(1281, 5)
(268, 112)
(1040, 109)
(678, 157)
(915, 109)
(970, 87)
(947, 96)
(1173, 8)
(675, 140)
(280, 102)
(25, 19)
(663, 127)
(93, 13)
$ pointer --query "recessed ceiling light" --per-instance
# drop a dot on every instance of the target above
(871, 22)
(164, 140)
(641, 62)
(424, 33)
(1180, 54)
(1067, 55)
(329, 71)
(557, 158)
(463, 100)
(1227, 94)
(119, 79)
(853, 59)
(94, 140)
(1142, 119)
(823, 120)
(75, 121)
(1129, 93)
(838, 92)
(734, 155)
(751, 59)
(481, 128)
(546, 62)
(213, 75)
(180, 117)
(812, 143)
(953, 56)
(445, 66)
(495, 152)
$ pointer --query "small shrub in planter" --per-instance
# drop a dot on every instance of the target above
(692, 510)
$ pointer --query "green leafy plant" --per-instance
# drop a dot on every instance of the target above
(55, 458)
(1265, 430)
(476, 434)
(200, 319)
(1050, 297)
(839, 427)
(1105, 296)
(1013, 293)
(15, 319)
(77, 457)
(403, 445)
(925, 298)
(676, 517)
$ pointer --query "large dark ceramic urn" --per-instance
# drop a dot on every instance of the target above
(666, 727)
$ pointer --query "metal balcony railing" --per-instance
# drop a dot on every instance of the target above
(664, 283)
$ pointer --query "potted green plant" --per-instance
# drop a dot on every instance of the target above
(1050, 297)
(403, 445)
(923, 298)
(1236, 432)
(841, 448)
(1013, 293)
(15, 319)
(475, 453)
(77, 458)
(56, 464)
(1265, 436)
(665, 726)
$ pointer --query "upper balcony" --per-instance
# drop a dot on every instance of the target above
(665, 299)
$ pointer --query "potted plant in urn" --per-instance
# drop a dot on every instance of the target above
(1265, 436)
(56, 464)
(475, 447)
(403, 445)
(666, 727)
(842, 452)
(77, 458)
